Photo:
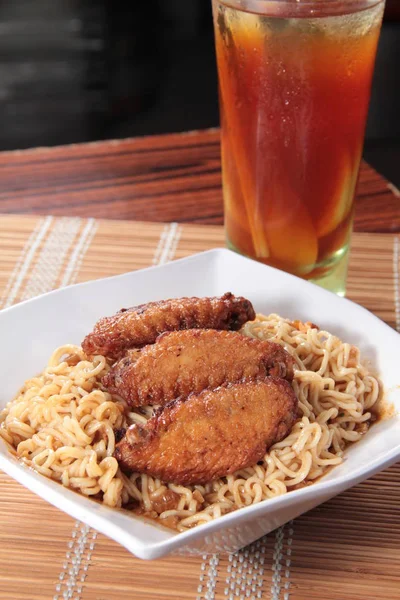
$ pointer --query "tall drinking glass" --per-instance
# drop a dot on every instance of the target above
(294, 81)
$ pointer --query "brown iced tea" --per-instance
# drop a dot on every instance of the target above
(294, 95)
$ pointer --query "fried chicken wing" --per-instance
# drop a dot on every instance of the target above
(135, 327)
(181, 362)
(211, 434)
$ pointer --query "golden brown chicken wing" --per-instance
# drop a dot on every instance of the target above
(181, 362)
(211, 434)
(138, 326)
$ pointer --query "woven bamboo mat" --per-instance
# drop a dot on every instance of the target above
(346, 548)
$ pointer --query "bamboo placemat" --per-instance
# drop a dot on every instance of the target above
(346, 548)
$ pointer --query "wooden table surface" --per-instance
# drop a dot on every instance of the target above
(160, 178)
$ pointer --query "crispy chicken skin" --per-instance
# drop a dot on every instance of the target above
(135, 327)
(182, 362)
(210, 434)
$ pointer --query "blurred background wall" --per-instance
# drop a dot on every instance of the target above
(82, 70)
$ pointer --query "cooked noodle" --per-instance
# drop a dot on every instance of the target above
(62, 424)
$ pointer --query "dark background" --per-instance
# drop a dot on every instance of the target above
(82, 70)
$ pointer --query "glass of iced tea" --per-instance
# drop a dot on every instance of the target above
(294, 82)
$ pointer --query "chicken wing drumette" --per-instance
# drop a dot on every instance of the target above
(210, 434)
(135, 327)
(182, 362)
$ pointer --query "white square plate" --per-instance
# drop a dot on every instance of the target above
(31, 330)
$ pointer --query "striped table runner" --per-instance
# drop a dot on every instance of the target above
(346, 548)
